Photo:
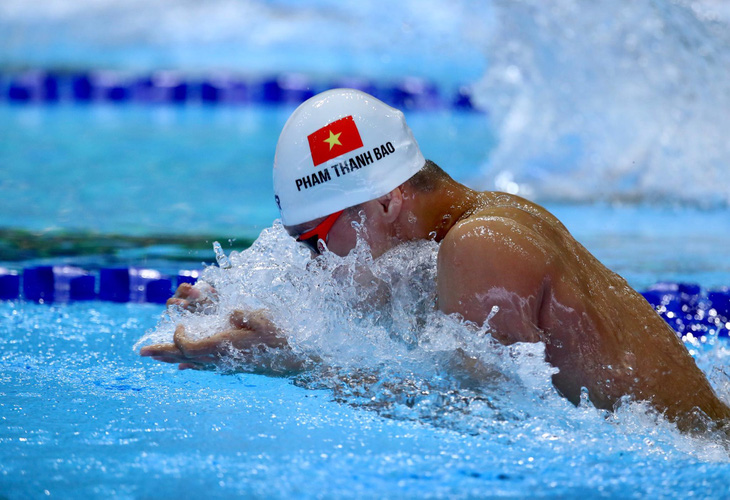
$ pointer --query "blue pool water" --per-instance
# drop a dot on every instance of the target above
(621, 135)
(83, 415)
(163, 169)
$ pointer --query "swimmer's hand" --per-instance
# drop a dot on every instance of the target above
(251, 335)
(198, 298)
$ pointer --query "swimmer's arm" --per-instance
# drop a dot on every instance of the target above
(251, 334)
(494, 261)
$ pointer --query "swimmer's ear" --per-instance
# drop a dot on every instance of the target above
(391, 205)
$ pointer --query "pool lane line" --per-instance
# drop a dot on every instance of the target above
(65, 283)
(40, 86)
(686, 307)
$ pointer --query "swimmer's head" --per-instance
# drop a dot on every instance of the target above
(338, 149)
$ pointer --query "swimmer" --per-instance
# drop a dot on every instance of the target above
(344, 154)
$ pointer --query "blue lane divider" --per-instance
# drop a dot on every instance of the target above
(9, 284)
(48, 284)
(686, 307)
(689, 310)
(39, 86)
(38, 284)
(114, 285)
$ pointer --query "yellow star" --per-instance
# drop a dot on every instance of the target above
(333, 139)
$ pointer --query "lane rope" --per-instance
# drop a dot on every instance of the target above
(688, 308)
(169, 87)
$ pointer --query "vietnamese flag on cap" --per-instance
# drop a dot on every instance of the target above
(333, 140)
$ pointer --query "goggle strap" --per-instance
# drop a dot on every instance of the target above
(321, 228)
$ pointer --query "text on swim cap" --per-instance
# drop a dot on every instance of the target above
(346, 166)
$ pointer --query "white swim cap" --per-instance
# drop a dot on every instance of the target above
(338, 149)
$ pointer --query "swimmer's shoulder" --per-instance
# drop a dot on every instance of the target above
(494, 231)
(500, 212)
(504, 227)
(491, 247)
(516, 207)
(497, 208)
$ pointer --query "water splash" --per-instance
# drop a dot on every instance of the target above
(220, 256)
(355, 314)
(380, 343)
(609, 101)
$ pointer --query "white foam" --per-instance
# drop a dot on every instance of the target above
(380, 343)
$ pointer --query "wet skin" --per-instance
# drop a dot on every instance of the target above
(499, 249)
(598, 331)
